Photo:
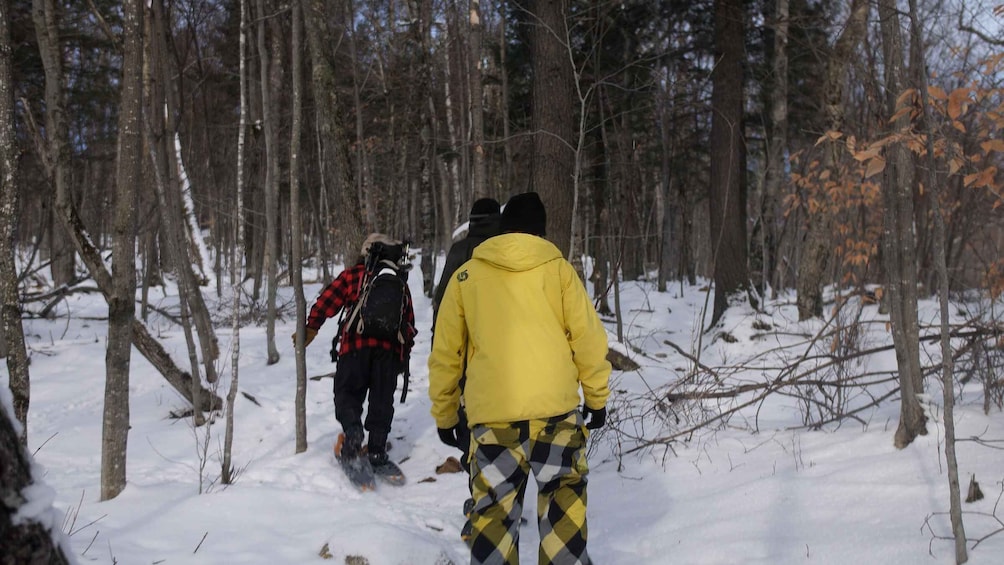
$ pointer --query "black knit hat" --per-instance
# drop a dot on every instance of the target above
(525, 213)
(485, 207)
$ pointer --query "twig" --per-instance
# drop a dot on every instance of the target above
(200, 542)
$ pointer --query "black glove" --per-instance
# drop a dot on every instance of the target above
(594, 418)
(449, 436)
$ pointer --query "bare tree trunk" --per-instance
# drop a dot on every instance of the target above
(268, 61)
(939, 240)
(553, 101)
(12, 332)
(727, 202)
(236, 266)
(479, 166)
(296, 228)
(817, 249)
(421, 12)
(504, 99)
(453, 199)
(29, 541)
(122, 298)
(777, 149)
(898, 243)
(57, 161)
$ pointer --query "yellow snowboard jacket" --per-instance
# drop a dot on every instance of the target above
(530, 333)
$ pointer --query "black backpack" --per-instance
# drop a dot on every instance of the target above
(379, 310)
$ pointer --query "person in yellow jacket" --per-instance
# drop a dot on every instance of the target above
(532, 340)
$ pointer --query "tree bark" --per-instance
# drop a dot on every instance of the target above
(939, 241)
(552, 105)
(479, 167)
(727, 202)
(122, 298)
(57, 160)
(237, 255)
(267, 66)
(29, 542)
(898, 245)
(296, 228)
(777, 149)
(12, 332)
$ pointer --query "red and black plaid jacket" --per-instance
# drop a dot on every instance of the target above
(342, 293)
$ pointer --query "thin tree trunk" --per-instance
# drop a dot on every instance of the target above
(57, 160)
(939, 241)
(296, 228)
(479, 165)
(122, 299)
(504, 98)
(898, 247)
(421, 11)
(236, 266)
(777, 149)
(10, 320)
(270, 257)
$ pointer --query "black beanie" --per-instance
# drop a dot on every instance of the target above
(485, 207)
(524, 213)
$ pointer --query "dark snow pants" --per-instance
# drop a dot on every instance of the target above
(365, 371)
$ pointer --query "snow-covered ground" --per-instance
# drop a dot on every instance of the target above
(759, 489)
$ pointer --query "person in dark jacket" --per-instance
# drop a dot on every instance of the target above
(482, 224)
(364, 364)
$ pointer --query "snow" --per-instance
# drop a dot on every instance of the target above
(758, 488)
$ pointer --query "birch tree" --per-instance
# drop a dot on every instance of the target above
(236, 257)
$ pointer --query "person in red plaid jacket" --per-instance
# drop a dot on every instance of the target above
(364, 364)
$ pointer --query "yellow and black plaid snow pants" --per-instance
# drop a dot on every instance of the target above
(504, 454)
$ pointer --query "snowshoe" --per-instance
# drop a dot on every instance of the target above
(386, 470)
(355, 465)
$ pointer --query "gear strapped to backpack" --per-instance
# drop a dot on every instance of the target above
(379, 310)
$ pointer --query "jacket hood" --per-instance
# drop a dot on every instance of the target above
(484, 226)
(516, 251)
